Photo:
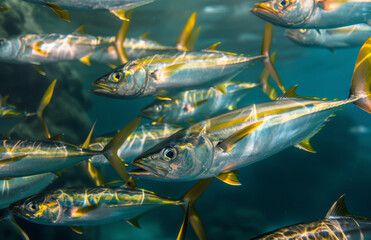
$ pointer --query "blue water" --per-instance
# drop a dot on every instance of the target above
(289, 187)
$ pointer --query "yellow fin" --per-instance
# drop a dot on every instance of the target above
(145, 35)
(39, 69)
(86, 60)
(229, 143)
(2, 9)
(120, 38)
(56, 137)
(291, 93)
(193, 38)
(166, 72)
(92, 172)
(183, 228)
(160, 120)
(120, 14)
(43, 103)
(87, 141)
(222, 88)
(264, 81)
(229, 178)
(213, 47)
(19, 230)
(181, 43)
(305, 145)
(82, 211)
(76, 229)
(199, 103)
(80, 29)
(111, 65)
(161, 97)
(64, 14)
(232, 107)
(134, 222)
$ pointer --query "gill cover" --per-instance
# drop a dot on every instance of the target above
(183, 156)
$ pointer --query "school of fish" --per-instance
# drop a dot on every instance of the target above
(194, 131)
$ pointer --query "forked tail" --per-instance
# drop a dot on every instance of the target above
(361, 81)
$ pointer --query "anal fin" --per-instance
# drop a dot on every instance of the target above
(76, 229)
(306, 146)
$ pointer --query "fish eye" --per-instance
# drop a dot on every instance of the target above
(158, 108)
(302, 30)
(283, 3)
(32, 207)
(116, 76)
(169, 154)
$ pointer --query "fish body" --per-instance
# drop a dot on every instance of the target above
(198, 104)
(15, 189)
(168, 73)
(134, 48)
(28, 157)
(89, 5)
(44, 48)
(338, 224)
(344, 37)
(89, 206)
(314, 14)
(143, 138)
(195, 152)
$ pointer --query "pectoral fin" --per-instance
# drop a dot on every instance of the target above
(64, 14)
(305, 145)
(229, 143)
(229, 178)
(76, 229)
(134, 222)
(86, 60)
(166, 72)
(163, 98)
(12, 159)
(39, 69)
(82, 211)
(222, 88)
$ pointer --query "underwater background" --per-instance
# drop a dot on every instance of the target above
(289, 187)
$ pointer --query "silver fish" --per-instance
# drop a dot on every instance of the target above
(15, 189)
(344, 37)
(338, 224)
(314, 14)
(221, 144)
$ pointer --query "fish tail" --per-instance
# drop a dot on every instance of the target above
(43, 103)
(190, 212)
(110, 150)
(6, 216)
(360, 88)
(266, 46)
(264, 81)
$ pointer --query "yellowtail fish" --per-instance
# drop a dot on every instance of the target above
(314, 14)
(143, 138)
(9, 116)
(344, 37)
(221, 144)
(117, 7)
(101, 205)
(166, 74)
(28, 157)
(14, 189)
(338, 224)
(194, 105)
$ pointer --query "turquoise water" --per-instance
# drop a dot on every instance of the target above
(289, 187)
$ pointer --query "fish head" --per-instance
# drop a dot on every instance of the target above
(303, 36)
(287, 13)
(183, 156)
(157, 110)
(8, 50)
(125, 81)
(40, 208)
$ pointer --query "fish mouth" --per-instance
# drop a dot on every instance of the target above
(147, 169)
(265, 11)
(103, 89)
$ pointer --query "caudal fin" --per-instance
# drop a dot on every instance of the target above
(361, 81)
(190, 212)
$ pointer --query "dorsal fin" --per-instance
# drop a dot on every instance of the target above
(291, 93)
(213, 47)
(56, 137)
(184, 36)
(193, 39)
(338, 209)
(4, 100)
(80, 29)
(87, 141)
(145, 35)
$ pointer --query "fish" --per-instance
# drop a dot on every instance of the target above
(144, 137)
(81, 206)
(10, 116)
(20, 158)
(116, 7)
(344, 37)
(195, 105)
(160, 74)
(337, 224)
(51, 47)
(15, 189)
(217, 146)
(314, 14)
